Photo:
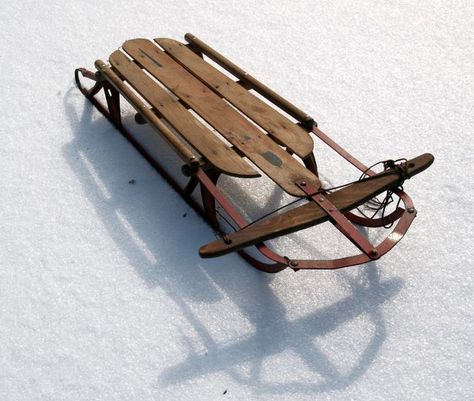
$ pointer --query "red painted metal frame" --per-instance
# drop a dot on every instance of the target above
(340, 221)
(116, 121)
(211, 194)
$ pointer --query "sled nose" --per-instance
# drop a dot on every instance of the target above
(311, 213)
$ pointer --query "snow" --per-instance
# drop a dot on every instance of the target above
(102, 293)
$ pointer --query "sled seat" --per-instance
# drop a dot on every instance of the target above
(236, 123)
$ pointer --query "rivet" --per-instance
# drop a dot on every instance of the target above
(373, 252)
(331, 209)
(321, 199)
(293, 263)
(303, 183)
(411, 210)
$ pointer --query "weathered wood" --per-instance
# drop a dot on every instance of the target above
(258, 147)
(276, 124)
(264, 90)
(311, 214)
(202, 139)
(179, 147)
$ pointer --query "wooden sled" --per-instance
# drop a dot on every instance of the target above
(163, 79)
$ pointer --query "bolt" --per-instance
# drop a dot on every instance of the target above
(374, 253)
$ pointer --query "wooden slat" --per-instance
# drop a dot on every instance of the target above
(203, 140)
(275, 98)
(176, 143)
(258, 147)
(288, 133)
(311, 214)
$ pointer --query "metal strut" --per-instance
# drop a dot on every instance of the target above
(340, 221)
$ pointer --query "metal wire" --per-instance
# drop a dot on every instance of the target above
(373, 204)
(381, 206)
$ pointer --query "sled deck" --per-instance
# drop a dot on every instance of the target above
(164, 79)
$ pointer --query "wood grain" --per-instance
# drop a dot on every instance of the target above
(176, 143)
(276, 124)
(310, 213)
(258, 147)
(198, 136)
(250, 81)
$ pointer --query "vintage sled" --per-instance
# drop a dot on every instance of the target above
(163, 79)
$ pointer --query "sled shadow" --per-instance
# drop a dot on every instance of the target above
(137, 217)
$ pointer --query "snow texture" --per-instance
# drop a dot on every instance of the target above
(102, 293)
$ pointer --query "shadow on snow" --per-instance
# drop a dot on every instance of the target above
(137, 217)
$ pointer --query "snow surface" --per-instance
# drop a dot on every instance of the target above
(102, 293)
